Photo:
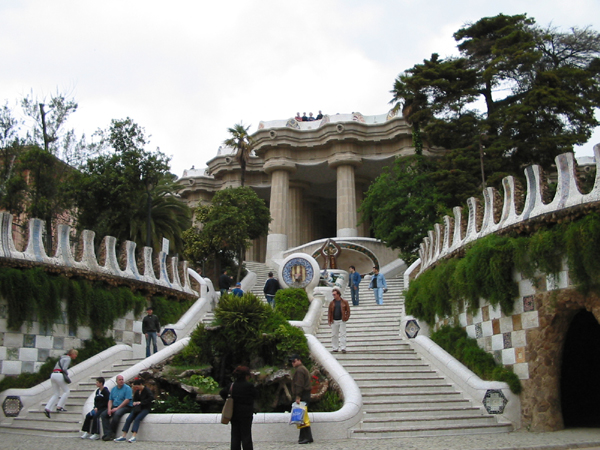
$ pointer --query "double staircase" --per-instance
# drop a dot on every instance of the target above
(68, 423)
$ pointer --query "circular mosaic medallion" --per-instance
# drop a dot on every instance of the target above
(298, 272)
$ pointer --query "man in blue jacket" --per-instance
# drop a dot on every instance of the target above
(353, 282)
(378, 285)
(119, 404)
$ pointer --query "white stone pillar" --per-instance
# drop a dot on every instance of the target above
(277, 240)
(344, 161)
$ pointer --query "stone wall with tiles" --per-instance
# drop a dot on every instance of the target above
(530, 340)
(28, 348)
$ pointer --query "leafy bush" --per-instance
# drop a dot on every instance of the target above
(207, 385)
(465, 349)
(169, 404)
(292, 303)
(245, 331)
(330, 401)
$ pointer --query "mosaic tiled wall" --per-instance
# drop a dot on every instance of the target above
(27, 349)
(505, 336)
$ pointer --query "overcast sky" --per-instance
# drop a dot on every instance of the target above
(188, 70)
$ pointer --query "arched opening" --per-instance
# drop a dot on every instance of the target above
(580, 393)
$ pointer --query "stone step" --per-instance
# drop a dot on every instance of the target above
(413, 397)
(41, 430)
(376, 388)
(421, 412)
(430, 421)
(374, 405)
(424, 431)
(55, 423)
(383, 379)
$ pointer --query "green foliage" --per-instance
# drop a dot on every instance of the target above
(465, 349)
(235, 217)
(34, 293)
(112, 190)
(170, 404)
(485, 271)
(27, 380)
(402, 204)
(245, 330)
(330, 402)
(170, 310)
(207, 385)
(292, 303)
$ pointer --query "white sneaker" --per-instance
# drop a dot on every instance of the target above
(85, 435)
(95, 437)
(133, 440)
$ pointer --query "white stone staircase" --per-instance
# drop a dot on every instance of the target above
(402, 395)
(67, 423)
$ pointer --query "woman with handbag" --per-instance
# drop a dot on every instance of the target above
(91, 423)
(142, 402)
(243, 393)
(60, 382)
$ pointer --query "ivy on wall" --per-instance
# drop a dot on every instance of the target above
(33, 294)
(485, 270)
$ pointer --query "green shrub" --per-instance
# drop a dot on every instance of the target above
(330, 402)
(292, 303)
(207, 385)
(465, 349)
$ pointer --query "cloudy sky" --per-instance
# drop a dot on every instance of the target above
(188, 70)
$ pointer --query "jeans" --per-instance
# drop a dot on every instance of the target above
(111, 423)
(136, 418)
(378, 295)
(91, 424)
(151, 337)
(338, 335)
(270, 300)
(354, 293)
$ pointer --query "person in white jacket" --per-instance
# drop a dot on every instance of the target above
(57, 378)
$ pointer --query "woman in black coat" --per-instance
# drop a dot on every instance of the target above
(243, 393)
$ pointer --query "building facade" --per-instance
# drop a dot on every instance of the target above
(312, 175)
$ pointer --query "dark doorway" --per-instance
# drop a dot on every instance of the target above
(580, 390)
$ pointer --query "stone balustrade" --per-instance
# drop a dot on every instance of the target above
(171, 273)
(452, 236)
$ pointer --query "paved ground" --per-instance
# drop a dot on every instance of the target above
(523, 440)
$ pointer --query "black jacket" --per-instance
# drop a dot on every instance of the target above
(271, 287)
(243, 393)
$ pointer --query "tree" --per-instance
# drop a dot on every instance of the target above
(402, 204)
(122, 192)
(538, 87)
(235, 217)
(241, 141)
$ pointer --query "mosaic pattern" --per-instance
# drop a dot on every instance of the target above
(412, 329)
(528, 303)
(298, 272)
(494, 401)
(478, 331)
(355, 247)
(168, 336)
(12, 406)
(29, 340)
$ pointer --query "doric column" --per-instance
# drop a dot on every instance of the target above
(344, 163)
(277, 241)
(296, 218)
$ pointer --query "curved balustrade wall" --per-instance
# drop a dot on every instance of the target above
(446, 239)
(107, 264)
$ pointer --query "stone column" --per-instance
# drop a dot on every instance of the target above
(277, 240)
(297, 219)
(347, 220)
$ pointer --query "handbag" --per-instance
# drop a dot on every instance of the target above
(64, 373)
(227, 412)
(306, 420)
(298, 410)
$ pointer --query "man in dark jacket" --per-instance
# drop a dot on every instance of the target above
(338, 315)
(270, 289)
(225, 282)
(301, 393)
(150, 329)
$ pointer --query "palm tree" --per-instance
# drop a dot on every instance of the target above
(170, 217)
(241, 141)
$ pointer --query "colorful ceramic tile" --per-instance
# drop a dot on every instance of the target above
(516, 319)
(507, 340)
(528, 303)
(478, 331)
(485, 313)
(496, 326)
(29, 340)
(520, 354)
